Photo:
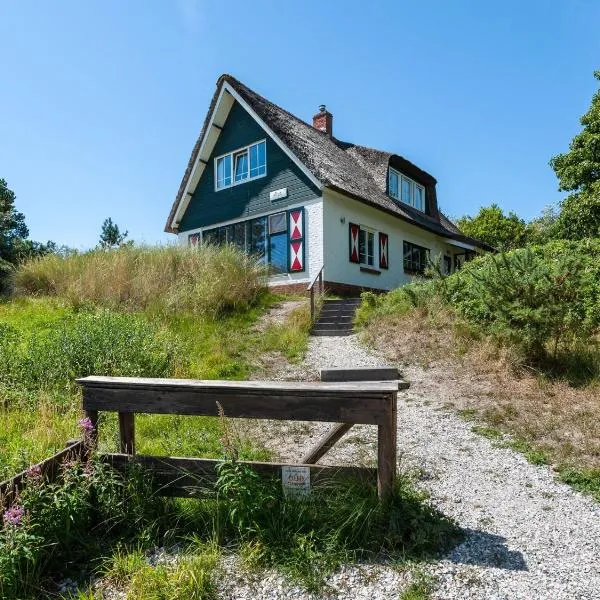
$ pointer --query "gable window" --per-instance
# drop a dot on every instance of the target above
(416, 258)
(241, 165)
(406, 190)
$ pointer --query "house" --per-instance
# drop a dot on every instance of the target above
(301, 200)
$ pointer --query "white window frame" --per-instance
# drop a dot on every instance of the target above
(371, 231)
(413, 185)
(233, 154)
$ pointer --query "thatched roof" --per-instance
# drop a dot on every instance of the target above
(350, 169)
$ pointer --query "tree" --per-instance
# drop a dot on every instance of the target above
(578, 171)
(111, 236)
(495, 228)
(13, 231)
(15, 246)
(544, 228)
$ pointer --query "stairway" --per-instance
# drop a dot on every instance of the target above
(336, 317)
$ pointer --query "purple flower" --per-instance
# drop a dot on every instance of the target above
(13, 516)
(34, 472)
(86, 424)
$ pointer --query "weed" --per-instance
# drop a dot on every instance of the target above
(584, 480)
(492, 433)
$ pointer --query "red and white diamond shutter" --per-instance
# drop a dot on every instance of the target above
(383, 251)
(194, 240)
(354, 255)
(296, 239)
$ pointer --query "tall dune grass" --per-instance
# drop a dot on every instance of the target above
(207, 281)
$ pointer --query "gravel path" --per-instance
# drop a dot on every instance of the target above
(528, 536)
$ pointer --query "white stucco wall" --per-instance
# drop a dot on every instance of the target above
(313, 238)
(339, 211)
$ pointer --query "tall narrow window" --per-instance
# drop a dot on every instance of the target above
(223, 172)
(258, 160)
(241, 166)
(393, 184)
(419, 200)
(406, 189)
(366, 247)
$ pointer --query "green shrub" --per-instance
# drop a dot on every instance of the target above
(539, 301)
(205, 281)
(101, 343)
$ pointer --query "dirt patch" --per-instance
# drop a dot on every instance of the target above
(278, 313)
(560, 421)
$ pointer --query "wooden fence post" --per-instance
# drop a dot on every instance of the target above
(127, 432)
(386, 452)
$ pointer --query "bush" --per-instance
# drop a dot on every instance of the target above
(542, 301)
(204, 281)
(101, 343)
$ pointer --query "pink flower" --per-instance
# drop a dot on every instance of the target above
(34, 472)
(86, 424)
(13, 516)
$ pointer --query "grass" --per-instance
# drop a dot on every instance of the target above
(550, 418)
(170, 279)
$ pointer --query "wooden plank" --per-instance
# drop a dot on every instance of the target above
(203, 384)
(386, 454)
(360, 374)
(175, 476)
(330, 405)
(326, 443)
(48, 468)
(127, 432)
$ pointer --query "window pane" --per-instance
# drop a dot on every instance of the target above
(258, 160)
(241, 166)
(228, 234)
(406, 190)
(419, 197)
(239, 236)
(362, 246)
(258, 241)
(222, 236)
(211, 236)
(224, 171)
(277, 223)
(278, 249)
(370, 247)
(393, 184)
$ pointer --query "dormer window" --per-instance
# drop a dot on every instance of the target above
(241, 165)
(406, 190)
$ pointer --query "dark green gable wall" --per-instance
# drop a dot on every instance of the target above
(207, 206)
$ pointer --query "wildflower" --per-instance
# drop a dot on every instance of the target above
(86, 424)
(13, 516)
(34, 472)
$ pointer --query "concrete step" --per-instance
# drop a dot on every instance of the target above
(330, 332)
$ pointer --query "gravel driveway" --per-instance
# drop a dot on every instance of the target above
(528, 535)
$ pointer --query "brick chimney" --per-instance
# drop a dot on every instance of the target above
(323, 120)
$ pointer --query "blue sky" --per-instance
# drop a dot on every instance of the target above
(102, 100)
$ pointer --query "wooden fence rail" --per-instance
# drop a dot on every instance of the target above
(48, 468)
(371, 403)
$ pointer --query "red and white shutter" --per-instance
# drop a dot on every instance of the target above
(296, 239)
(354, 230)
(383, 251)
(194, 240)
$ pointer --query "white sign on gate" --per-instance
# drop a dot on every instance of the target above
(296, 481)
